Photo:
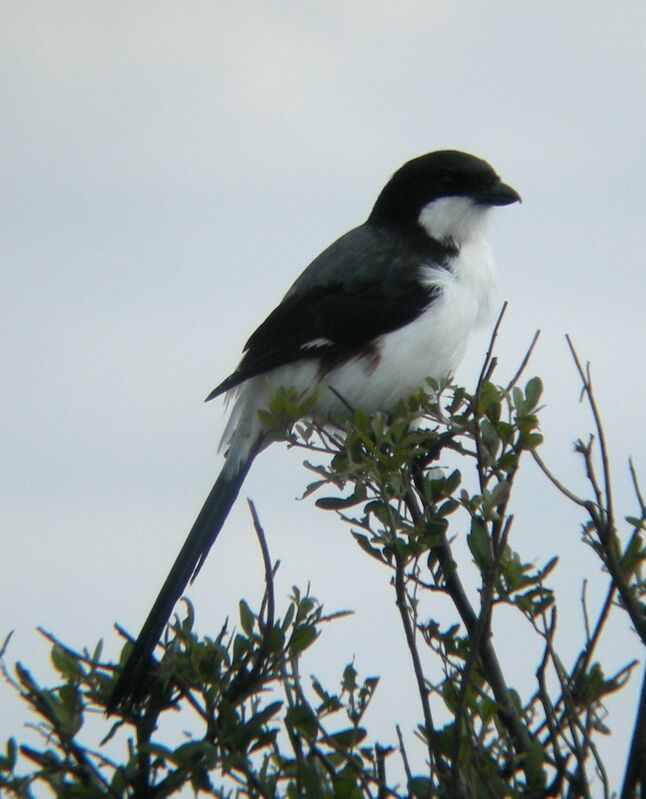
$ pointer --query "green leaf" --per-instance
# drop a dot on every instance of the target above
(361, 420)
(499, 494)
(308, 403)
(267, 420)
(530, 441)
(118, 783)
(489, 399)
(301, 718)
(634, 554)
(8, 763)
(515, 698)
(338, 503)
(65, 663)
(533, 392)
(364, 543)
(263, 716)
(452, 482)
(450, 696)
(290, 613)
(345, 787)
(302, 637)
(420, 787)
(194, 753)
(240, 647)
(276, 639)
(479, 543)
(518, 399)
(330, 703)
(306, 606)
(312, 783)
(508, 462)
(448, 507)
(506, 432)
(349, 681)
(352, 736)
(247, 618)
(313, 487)
(549, 567)
(489, 437)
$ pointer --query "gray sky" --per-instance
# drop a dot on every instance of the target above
(167, 170)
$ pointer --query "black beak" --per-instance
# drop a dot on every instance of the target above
(498, 194)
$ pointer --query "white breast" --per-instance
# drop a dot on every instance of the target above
(431, 346)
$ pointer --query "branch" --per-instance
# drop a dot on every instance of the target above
(549, 710)
(556, 482)
(583, 661)
(269, 575)
(603, 521)
(402, 750)
(490, 362)
(524, 362)
(400, 591)
(481, 633)
(587, 387)
(485, 373)
(492, 669)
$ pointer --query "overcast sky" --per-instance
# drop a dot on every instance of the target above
(167, 169)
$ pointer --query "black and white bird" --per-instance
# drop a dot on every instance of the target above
(389, 304)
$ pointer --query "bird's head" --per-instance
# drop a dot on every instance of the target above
(447, 193)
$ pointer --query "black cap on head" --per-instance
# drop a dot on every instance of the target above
(445, 173)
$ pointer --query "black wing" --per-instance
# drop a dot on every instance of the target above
(366, 284)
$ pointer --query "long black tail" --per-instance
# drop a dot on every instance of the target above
(191, 557)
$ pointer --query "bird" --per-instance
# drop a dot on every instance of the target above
(386, 306)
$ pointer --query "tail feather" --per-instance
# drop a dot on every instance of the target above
(187, 564)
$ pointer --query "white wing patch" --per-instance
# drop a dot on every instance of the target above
(316, 343)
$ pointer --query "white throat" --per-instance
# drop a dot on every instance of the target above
(458, 219)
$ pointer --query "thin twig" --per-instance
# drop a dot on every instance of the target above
(400, 591)
(583, 661)
(269, 573)
(556, 482)
(488, 366)
(601, 519)
(342, 399)
(549, 710)
(524, 362)
(638, 493)
(486, 370)
(584, 608)
(587, 386)
(402, 751)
